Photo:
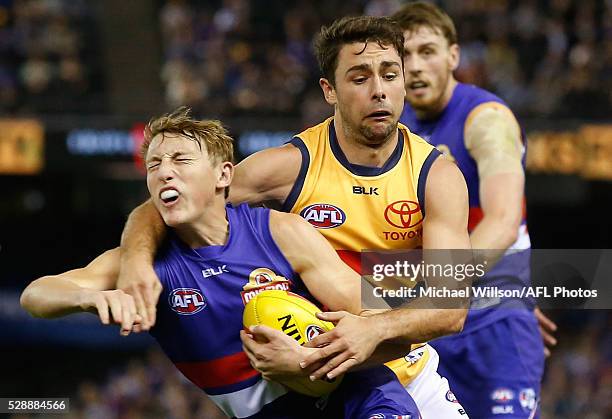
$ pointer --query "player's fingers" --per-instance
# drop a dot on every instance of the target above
(342, 368)
(136, 328)
(115, 307)
(129, 313)
(332, 316)
(141, 308)
(329, 366)
(266, 334)
(544, 321)
(151, 296)
(102, 308)
(249, 345)
(319, 355)
(546, 352)
(323, 339)
(549, 340)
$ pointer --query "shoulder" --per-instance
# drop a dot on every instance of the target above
(445, 180)
(287, 224)
(316, 131)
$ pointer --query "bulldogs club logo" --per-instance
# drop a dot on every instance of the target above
(323, 215)
(528, 399)
(263, 279)
(404, 214)
(186, 301)
(312, 331)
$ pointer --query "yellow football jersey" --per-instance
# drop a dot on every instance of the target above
(359, 207)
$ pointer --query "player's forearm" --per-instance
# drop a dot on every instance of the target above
(143, 234)
(52, 296)
(495, 235)
(415, 325)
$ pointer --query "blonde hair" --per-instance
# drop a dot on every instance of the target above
(219, 145)
(417, 14)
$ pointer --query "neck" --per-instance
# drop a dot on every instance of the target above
(210, 229)
(363, 154)
(440, 105)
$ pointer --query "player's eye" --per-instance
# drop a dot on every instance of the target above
(390, 76)
(152, 166)
(359, 80)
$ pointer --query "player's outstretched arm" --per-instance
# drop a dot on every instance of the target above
(88, 289)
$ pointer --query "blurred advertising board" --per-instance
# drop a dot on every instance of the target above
(21, 146)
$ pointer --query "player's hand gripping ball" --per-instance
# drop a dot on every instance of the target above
(294, 316)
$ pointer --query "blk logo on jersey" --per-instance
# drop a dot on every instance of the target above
(186, 301)
(404, 214)
(323, 215)
(362, 190)
(206, 273)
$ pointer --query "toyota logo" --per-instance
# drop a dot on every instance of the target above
(403, 214)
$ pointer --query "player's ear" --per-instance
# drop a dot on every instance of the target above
(328, 91)
(454, 57)
(226, 174)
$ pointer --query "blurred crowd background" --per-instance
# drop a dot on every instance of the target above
(88, 74)
(231, 57)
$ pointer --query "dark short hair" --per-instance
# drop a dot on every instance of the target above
(414, 15)
(348, 30)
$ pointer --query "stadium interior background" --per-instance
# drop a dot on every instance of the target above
(79, 78)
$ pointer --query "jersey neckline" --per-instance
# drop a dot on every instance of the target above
(213, 251)
(361, 170)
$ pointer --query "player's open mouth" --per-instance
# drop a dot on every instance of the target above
(379, 114)
(169, 196)
(417, 85)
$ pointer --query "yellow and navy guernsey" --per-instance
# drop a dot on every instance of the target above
(360, 207)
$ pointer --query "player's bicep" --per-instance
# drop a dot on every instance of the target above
(326, 276)
(101, 274)
(267, 175)
(493, 139)
(446, 208)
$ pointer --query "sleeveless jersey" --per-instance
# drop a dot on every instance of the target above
(359, 207)
(199, 315)
(447, 132)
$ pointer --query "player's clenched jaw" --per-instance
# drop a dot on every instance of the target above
(369, 91)
(429, 63)
(181, 179)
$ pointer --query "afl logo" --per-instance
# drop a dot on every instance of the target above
(323, 215)
(186, 301)
(403, 214)
(313, 331)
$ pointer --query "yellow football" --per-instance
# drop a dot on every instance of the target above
(294, 316)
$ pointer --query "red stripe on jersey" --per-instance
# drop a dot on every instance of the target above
(351, 258)
(220, 372)
(476, 215)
